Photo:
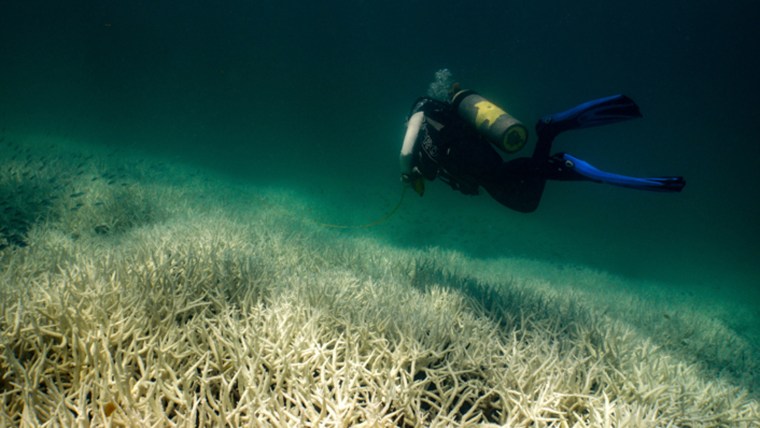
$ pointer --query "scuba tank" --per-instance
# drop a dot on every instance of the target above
(501, 129)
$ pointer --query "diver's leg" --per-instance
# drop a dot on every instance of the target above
(543, 147)
(565, 167)
(518, 184)
(601, 111)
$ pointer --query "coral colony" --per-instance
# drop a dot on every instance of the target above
(131, 297)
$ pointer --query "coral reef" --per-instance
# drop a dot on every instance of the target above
(194, 309)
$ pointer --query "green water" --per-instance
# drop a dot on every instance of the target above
(313, 95)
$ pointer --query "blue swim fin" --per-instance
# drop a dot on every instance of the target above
(602, 111)
(657, 184)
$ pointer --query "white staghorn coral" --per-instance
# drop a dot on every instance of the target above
(245, 317)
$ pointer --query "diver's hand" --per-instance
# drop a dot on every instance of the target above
(415, 181)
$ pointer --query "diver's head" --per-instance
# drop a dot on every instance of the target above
(453, 90)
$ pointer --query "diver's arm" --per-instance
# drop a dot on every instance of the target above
(407, 149)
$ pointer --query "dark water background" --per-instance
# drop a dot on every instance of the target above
(314, 94)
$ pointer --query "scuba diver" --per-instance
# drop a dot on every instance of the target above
(454, 140)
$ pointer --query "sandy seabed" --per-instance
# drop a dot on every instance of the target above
(138, 293)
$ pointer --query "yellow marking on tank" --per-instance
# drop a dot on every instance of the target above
(487, 111)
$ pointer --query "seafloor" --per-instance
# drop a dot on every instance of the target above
(137, 291)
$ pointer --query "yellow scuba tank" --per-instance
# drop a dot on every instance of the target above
(498, 126)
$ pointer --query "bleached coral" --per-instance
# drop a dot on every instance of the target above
(225, 316)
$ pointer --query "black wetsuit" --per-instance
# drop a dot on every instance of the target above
(453, 150)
